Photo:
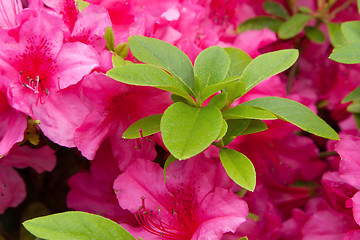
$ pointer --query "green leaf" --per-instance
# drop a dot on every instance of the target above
(110, 39)
(351, 31)
(349, 54)
(254, 126)
(357, 119)
(234, 91)
(267, 65)
(166, 56)
(235, 128)
(314, 34)
(352, 96)
(212, 89)
(211, 66)
(295, 113)
(218, 100)
(336, 36)
(176, 98)
(304, 9)
(238, 61)
(117, 61)
(354, 107)
(259, 23)
(247, 112)
(275, 9)
(81, 4)
(187, 130)
(122, 49)
(239, 168)
(168, 161)
(76, 226)
(293, 26)
(223, 130)
(145, 126)
(147, 75)
(243, 238)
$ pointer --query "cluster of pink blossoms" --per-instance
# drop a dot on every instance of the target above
(53, 60)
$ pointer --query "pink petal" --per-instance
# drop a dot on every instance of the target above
(75, 60)
(348, 148)
(12, 188)
(356, 207)
(42, 159)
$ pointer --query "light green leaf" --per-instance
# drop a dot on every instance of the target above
(239, 168)
(304, 9)
(238, 61)
(349, 54)
(122, 49)
(314, 34)
(212, 89)
(243, 238)
(223, 130)
(235, 128)
(254, 126)
(234, 91)
(354, 107)
(168, 161)
(295, 113)
(110, 39)
(275, 9)
(353, 96)
(267, 65)
(117, 61)
(337, 38)
(211, 66)
(259, 23)
(218, 100)
(351, 31)
(187, 130)
(147, 75)
(76, 226)
(357, 119)
(248, 112)
(81, 4)
(166, 56)
(145, 126)
(293, 26)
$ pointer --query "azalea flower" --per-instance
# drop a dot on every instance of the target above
(188, 206)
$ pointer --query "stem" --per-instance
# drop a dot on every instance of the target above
(293, 6)
(340, 8)
(327, 154)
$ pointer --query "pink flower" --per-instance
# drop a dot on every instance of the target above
(114, 107)
(38, 66)
(188, 206)
(8, 11)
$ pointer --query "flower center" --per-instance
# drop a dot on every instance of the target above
(152, 223)
(34, 84)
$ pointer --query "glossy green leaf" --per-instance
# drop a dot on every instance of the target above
(351, 30)
(354, 107)
(145, 127)
(349, 54)
(212, 89)
(267, 65)
(336, 35)
(147, 75)
(187, 131)
(352, 96)
(234, 91)
(275, 9)
(293, 26)
(117, 61)
(122, 49)
(238, 61)
(235, 128)
(211, 66)
(176, 98)
(110, 39)
(254, 126)
(223, 130)
(218, 100)
(239, 168)
(168, 161)
(259, 23)
(314, 34)
(166, 56)
(248, 112)
(76, 226)
(295, 113)
(357, 119)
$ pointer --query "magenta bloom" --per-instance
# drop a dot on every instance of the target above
(8, 11)
(188, 206)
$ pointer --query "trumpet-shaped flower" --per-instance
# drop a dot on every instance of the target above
(188, 206)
